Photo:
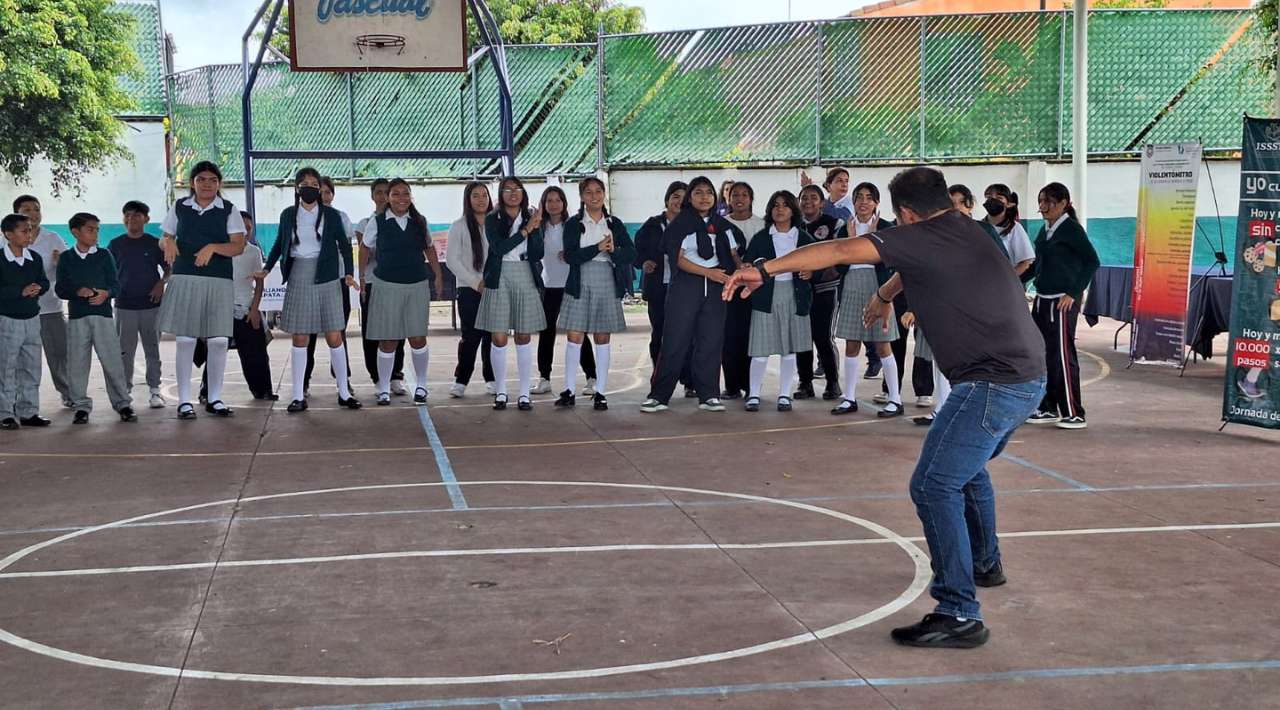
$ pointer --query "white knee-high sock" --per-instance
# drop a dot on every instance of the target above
(524, 366)
(420, 358)
(498, 358)
(386, 364)
(890, 369)
(572, 361)
(602, 368)
(941, 388)
(787, 376)
(183, 367)
(852, 372)
(216, 366)
(758, 367)
(338, 359)
(298, 366)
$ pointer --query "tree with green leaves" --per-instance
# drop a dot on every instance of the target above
(60, 62)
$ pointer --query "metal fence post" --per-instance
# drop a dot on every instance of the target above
(351, 119)
(923, 28)
(600, 153)
(818, 90)
(1062, 75)
(213, 113)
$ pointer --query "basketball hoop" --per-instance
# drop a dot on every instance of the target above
(380, 41)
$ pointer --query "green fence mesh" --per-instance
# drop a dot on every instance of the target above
(147, 87)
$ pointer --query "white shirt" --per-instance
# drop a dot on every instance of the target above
(19, 260)
(1018, 244)
(367, 277)
(784, 243)
(347, 228)
(555, 270)
(689, 246)
(860, 229)
(46, 244)
(522, 248)
(243, 267)
(84, 255)
(749, 227)
(597, 232)
(308, 225)
(235, 223)
(458, 254)
(370, 238)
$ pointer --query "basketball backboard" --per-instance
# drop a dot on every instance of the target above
(378, 35)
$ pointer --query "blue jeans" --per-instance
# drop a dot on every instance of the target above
(952, 489)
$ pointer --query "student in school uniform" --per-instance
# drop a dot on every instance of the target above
(314, 253)
(87, 281)
(53, 320)
(511, 303)
(202, 234)
(826, 284)
(1001, 206)
(657, 271)
(857, 289)
(22, 283)
(401, 304)
(599, 251)
(378, 193)
(465, 255)
(779, 309)
(248, 331)
(1064, 266)
(701, 247)
(142, 272)
(555, 272)
(737, 318)
(327, 193)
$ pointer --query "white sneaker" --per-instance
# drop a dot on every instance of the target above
(651, 406)
(712, 405)
(880, 398)
(543, 387)
(924, 402)
(590, 389)
(397, 388)
(157, 401)
(457, 390)
(491, 388)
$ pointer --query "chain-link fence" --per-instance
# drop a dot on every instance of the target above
(147, 87)
(942, 88)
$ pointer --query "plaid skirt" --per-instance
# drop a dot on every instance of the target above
(598, 309)
(310, 307)
(780, 332)
(859, 287)
(398, 311)
(197, 307)
(515, 305)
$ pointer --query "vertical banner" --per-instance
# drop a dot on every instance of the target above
(1252, 393)
(1162, 251)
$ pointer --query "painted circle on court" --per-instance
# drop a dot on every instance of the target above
(918, 584)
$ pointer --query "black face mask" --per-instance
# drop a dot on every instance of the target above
(994, 207)
(308, 194)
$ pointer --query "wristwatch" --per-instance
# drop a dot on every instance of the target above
(764, 273)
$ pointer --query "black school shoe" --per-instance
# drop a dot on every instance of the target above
(599, 402)
(846, 406)
(82, 417)
(186, 411)
(566, 399)
(805, 392)
(993, 577)
(499, 401)
(942, 631)
(891, 410)
(523, 404)
(127, 415)
(731, 394)
(224, 410)
(349, 403)
(297, 405)
(35, 420)
(10, 424)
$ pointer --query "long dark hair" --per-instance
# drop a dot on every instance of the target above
(751, 193)
(790, 201)
(582, 206)
(413, 211)
(1058, 192)
(700, 180)
(966, 195)
(524, 196)
(301, 175)
(1011, 211)
(564, 200)
(473, 224)
(204, 166)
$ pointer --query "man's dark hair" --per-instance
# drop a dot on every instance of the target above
(80, 219)
(922, 190)
(24, 199)
(136, 206)
(11, 221)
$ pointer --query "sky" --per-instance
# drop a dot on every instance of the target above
(209, 31)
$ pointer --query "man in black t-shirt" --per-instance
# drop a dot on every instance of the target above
(971, 304)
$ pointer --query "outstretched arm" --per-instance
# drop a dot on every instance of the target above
(813, 257)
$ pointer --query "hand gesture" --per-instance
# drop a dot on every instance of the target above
(157, 292)
(260, 275)
(805, 275)
(649, 266)
(31, 291)
(908, 319)
(606, 245)
(805, 180)
(255, 319)
(1065, 303)
(876, 312)
(85, 292)
(535, 221)
(169, 246)
(350, 281)
(205, 255)
(99, 297)
(748, 279)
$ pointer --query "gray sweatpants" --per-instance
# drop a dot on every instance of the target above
(19, 367)
(133, 326)
(86, 334)
(53, 334)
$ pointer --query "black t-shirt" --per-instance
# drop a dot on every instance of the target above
(968, 302)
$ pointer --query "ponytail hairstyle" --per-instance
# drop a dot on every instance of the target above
(564, 200)
(414, 214)
(693, 184)
(524, 196)
(473, 224)
(1011, 212)
(1058, 192)
(204, 166)
(582, 207)
(301, 175)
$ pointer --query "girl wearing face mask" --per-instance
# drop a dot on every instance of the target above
(314, 252)
(555, 272)
(327, 192)
(1001, 206)
(822, 227)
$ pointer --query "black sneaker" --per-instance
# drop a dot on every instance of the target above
(599, 402)
(942, 631)
(127, 415)
(690, 393)
(832, 392)
(566, 399)
(926, 420)
(993, 577)
(873, 370)
(804, 392)
(1039, 417)
(297, 405)
(82, 417)
(10, 424)
(35, 420)
(731, 394)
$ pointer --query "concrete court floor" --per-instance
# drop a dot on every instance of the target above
(1143, 554)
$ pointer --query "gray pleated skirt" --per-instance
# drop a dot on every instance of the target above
(859, 288)
(515, 305)
(310, 307)
(780, 332)
(398, 311)
(198, 307)
(923, 351)
(598, 308)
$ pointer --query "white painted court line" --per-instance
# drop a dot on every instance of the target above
(581, 549)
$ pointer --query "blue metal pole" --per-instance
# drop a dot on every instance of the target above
(250, 78)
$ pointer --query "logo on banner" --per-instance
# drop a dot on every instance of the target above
(372, 8)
